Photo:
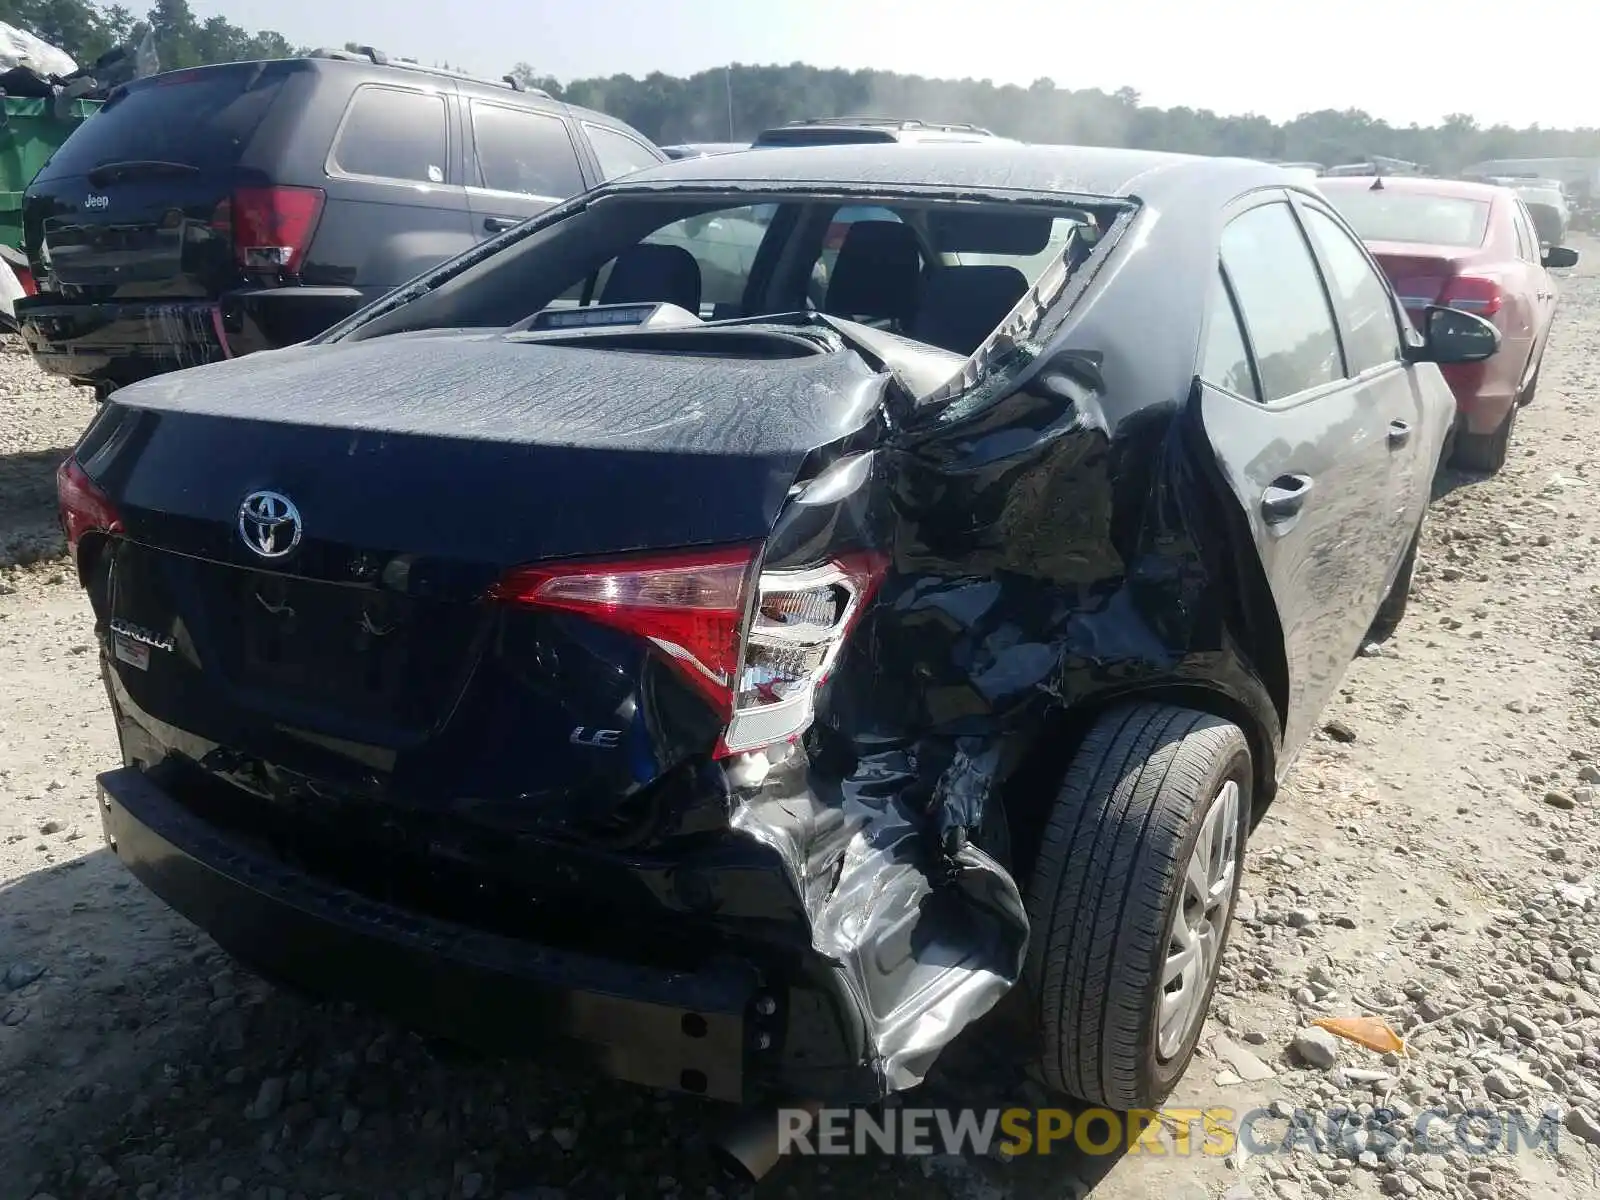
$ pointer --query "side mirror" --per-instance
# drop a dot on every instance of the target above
(1452, 336)
(1559, 256)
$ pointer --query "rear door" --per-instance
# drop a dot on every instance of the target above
(133, 203)
(1418, 415)
(1539, 281)
(397, 202)
(1304, 448)
(523, 161)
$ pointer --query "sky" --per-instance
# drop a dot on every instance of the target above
(1401, 60)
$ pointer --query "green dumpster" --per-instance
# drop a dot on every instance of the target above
(30, 132)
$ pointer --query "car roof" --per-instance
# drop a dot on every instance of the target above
(1422, 185)
(1074, 170)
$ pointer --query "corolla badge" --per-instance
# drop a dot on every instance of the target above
(269, 524)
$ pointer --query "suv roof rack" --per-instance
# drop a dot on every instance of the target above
(894, 123)
(378, 58)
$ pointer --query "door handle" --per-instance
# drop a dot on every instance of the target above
(1399, 433)
(1285, 497)
(499, 224)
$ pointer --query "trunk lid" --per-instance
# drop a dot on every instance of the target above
(134, 203)
(1421, 273)
(421, 469)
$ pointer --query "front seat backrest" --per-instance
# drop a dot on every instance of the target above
(651, 273)
(961, 306)
(876, 274)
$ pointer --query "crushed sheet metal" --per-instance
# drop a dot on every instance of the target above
(928, 944)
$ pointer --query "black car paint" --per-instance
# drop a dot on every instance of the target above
(161, 291)
(1077, 523)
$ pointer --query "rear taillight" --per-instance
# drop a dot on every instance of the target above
(271, 227)
(25, 278)
(84, 507)
(756, 646)
(1473, 294)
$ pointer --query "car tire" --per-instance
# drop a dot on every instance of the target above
(1485, 453)
(1155, 807)
(1526, 396)
(1393, 608)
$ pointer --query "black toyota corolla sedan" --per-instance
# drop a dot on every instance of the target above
(736, 651)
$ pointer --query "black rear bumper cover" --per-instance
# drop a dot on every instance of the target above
(123, 341)
(675, 1030)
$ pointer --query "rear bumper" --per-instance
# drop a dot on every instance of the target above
(675, 1030)
(121, 342)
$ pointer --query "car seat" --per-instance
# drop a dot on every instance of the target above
(650, 273)
(961, 306)
(876, 274)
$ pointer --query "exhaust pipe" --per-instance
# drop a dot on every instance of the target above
(748, 1145)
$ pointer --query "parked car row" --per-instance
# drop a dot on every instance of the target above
(1475, 247)
(742, 625)
(209, 213)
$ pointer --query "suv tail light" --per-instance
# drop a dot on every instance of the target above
(83, 506)
(25, 278)
(1473, 294)
(755, 645)
(271, 227)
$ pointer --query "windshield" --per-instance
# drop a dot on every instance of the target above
(1402, 216)
(940, 272)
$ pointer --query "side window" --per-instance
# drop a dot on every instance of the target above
(1224, 361)
(1527, 234)
(1281, 301)
(724, 245)
(618, 153)
(389, 133)
(525, 152)
(1360, 296)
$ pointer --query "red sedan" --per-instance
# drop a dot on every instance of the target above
(1471, 246)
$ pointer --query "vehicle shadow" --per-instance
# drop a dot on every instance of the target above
(117, 1018)
(29, 530)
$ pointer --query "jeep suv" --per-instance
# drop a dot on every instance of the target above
(866, 131)
(207, 213)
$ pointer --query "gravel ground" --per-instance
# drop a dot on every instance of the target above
(1431, 861)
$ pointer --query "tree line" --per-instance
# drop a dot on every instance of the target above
(737, 102)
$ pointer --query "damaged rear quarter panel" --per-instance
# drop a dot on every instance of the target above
(1053, 547)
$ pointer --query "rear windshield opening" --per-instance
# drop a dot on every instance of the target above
(203, 118)
(939, 272)
(1396, 216)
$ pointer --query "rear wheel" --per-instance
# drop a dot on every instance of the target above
(1527, 394)
(1486, 452)
(1131, 900)
(1394, 604)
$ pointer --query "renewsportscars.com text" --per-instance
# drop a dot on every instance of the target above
(1212, 1131)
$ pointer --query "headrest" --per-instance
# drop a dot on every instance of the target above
(876, 273)
(650, 273)
(961, 306)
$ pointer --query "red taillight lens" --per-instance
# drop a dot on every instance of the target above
(1473, 294)
(25, 277)
(271, 226)
(84, 507)
(690, 605)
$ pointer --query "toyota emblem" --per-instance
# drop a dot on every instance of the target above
(269, 523)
